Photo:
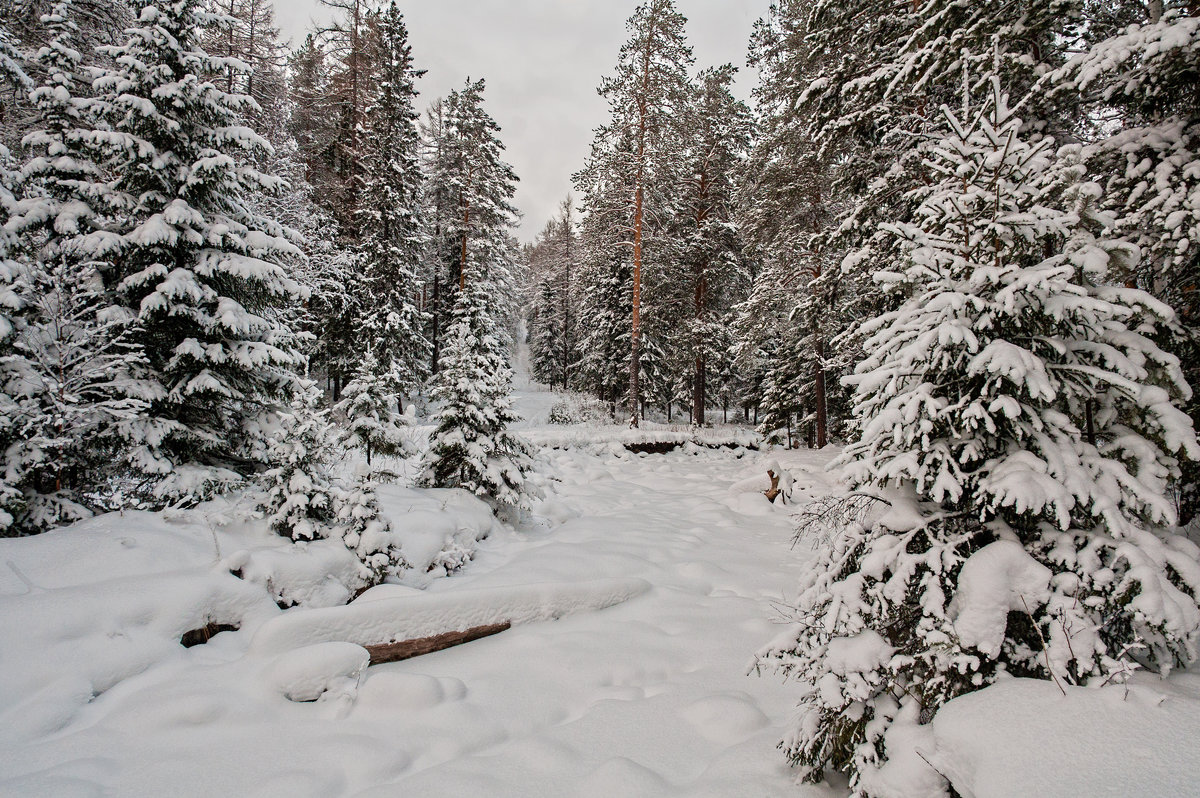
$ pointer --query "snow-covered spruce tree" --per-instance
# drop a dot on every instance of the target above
(366, 405)
(299, 497)
(1149, 164)
(719, 136)
(1018, 417)
(12, 364)
(472, 447)
(303, 501)
(76, 394)
(189, 256)
(388, 219)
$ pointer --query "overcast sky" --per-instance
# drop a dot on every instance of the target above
(542, 60)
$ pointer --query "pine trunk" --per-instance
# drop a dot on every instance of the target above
(437, 315)
(635, 357)
(819, 397)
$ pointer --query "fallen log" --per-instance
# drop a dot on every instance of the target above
(774, 491)
(433, 615)
(407, 649)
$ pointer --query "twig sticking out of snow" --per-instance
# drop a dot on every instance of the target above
(30, 587)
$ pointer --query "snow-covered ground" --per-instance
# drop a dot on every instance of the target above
(638, 593)
(648, 697)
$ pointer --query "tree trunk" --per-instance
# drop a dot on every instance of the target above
(437, 315)
(566, 364)
(635, 362)
(635, 356)
(819, 398)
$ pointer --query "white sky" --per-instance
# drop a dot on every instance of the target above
(542, 60)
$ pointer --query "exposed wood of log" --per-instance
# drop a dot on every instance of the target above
(774, 489)
(407, 649)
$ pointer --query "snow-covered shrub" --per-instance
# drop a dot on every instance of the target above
(579, 409)
(302, 499)
(1018, 433)
(300, 495)
(367, 533)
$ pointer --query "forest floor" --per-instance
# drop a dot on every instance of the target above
(653, 696)
(650, 697)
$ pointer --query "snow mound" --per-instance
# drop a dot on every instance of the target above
(320, 573)
(392, 619)
(998, 579)
(862, 653)
(64, 647)
(1024, 737)
(320, 672)
(440, 528)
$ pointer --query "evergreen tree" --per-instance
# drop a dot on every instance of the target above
(189, 256)
(551, 262)
(349, 43)
(647, 99)
(389, 220)
(366, 405)
(311, 122)
(1015, 401)
(247, 33)
(472, 447)
(302, 499)
(76, 395)
(24, 33)
(719, 138)
(12, 363)
(1149, 164)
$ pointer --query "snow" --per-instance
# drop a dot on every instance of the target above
(323, 671)
(861, 653)
(649, 696)
(386, 620)
(638, 592)
(998, 579)
(1022, 737)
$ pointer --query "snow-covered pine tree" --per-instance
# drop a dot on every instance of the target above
(647, 96)
(1150, 164)
(719, 135)
(347, 43)
(248, 33)
(189, 255)
(1018, 417)
(98, 22)
(12, 364)
(472, 447)
(312, 122)
(388, 220)
(553, 289)
(545, 334)
(366, 405)
(300, 499)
